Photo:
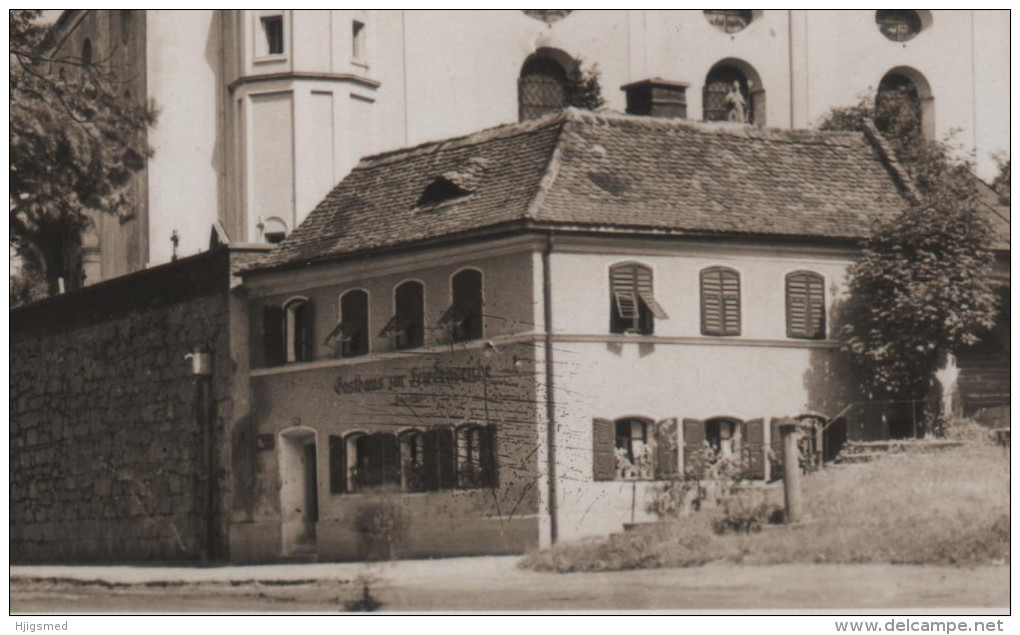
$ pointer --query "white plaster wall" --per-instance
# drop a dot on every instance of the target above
(991, 81)
(182, 53)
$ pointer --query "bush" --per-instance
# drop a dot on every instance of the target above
(382, 526)
(747, 515)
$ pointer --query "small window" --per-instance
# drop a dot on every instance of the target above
(274, 231)
(720, 302)
(358, 40)
(898, 25)
(407, 326)
(373, 461)
(477, 457)
(464, 318)
(632, 304)
(805, 306)
(352, 331)
(729, 20)
(298, 331)
(272, 31)
(86, 52)
(440, 191)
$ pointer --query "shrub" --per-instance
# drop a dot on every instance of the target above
(382, 525)
(746, 515)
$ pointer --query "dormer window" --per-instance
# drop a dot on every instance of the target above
(440, 191)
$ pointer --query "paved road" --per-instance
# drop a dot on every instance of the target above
(495, 584)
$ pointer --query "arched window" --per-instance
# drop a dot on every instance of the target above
(635, 448)
(407, 326)
(632, 304)
(298, 330)
(372, 461)
(353, 327)
(477, 453)
(899, 25)
(464, 317)
(904, 105)
(720, 301)
(86, 52)
(729, 20)
(541, 88)
(274, 230)
(733, 93)
(805, 306)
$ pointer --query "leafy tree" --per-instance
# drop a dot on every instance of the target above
(75, 141)
(1001, 182)
(921, 288)
(583, 89)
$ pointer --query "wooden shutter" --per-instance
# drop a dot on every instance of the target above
(272, 335)
(776, 443)
(754, 447)
(337, 466)
(306, 345)
(626, 304)
(447, 458)
(603, 450)
(805, 306)
(488, 456)
(720, 302)
(667, 460)
(694, 440)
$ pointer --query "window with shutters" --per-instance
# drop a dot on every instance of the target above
(632, 304)
(372, 461)
(351, 331)
(634, 449)
(407, 326)
(720, 301)
(298, 330)
(464, 317)
(805, 306)
(477, 454)
(724, 446)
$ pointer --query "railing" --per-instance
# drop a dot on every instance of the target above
(872, 421)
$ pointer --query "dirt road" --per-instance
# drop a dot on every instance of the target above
(495, 584)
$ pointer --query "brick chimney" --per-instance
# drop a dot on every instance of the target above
(657, 97)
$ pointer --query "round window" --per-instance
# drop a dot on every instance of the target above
(899, 25)
(729, 20)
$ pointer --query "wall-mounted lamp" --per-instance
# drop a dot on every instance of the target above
(201, 361)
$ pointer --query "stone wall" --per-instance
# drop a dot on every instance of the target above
(106, 441)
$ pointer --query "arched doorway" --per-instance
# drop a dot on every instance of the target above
(733, 92)
(299, 491)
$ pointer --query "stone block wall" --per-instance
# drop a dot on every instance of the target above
(106, 441)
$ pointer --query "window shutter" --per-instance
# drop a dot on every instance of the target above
(720, 302)
(603, 450)
(776, 442)
(805, 306)
(754, 447)
(447, 458)
(307, 332)
(337, 469)
(489, 457)
(666, 449)
(694, 440)
(272, 335)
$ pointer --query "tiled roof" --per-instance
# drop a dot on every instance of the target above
(605, 170)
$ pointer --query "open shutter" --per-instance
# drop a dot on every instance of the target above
(603, 450)
(337, 469)
(272, 335)
(754, 447)
(447, 458)
(694, 439)
(626, 304)
(489, 457)
(776, 443)
(307, 332)
(757, 108)
(667, 444)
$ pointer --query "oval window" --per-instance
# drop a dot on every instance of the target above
(729, 20)
(898, 25)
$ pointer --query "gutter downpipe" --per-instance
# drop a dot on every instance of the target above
(550, 403)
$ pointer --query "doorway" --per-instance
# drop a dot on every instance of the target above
(299, 491)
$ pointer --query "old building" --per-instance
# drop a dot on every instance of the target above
(515, 333)
(263, 111)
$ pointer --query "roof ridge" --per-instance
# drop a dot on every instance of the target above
(503, 131)
(552, 170)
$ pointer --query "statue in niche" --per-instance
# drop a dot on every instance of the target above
(736, 105)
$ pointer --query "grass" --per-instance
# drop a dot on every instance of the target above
(950, 507)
